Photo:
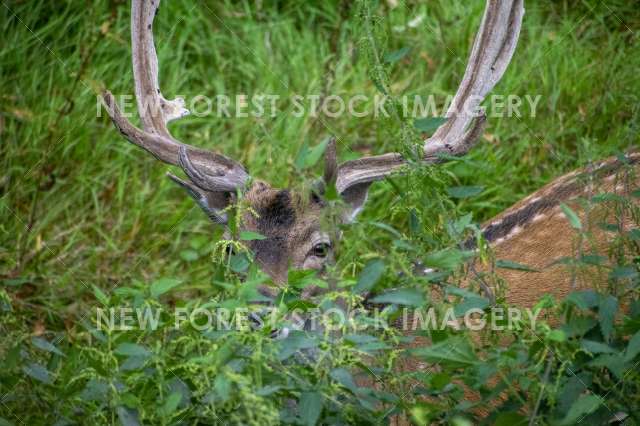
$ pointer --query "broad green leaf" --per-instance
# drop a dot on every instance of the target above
(468, 304)
(369, 276)
(43, 344)
(15, 282)
(633, 348)
(38, 372)
(509, 264)
(510, 418)
(597, 347)
(613, 362)
(127, 416)
(171, 403)
(448, 259)
(268, 390)
(428, 124)
(239, 262)
(222, 388)
(583, 299)
(295, 341)
(251, 236)
(301, 158)
(573, 218)
(163, 285)
(5, 422)
(455, 352)
(314, 154)
(403, 296)
(464, 191)
(606, 315)
(95, 390)
(343, 376)
(581, 408)
(623, 272)
(132, 349)
(189, 255)
(310, 407)
(557, 336)
(100, 295)
(396, 55)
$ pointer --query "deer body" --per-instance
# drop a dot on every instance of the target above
(535, 232)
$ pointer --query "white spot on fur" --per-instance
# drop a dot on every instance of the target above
(538, 217)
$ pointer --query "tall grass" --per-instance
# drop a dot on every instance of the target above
(82, 209)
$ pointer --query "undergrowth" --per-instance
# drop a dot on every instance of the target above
(89, 223)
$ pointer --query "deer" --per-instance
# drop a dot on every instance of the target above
(534, 231)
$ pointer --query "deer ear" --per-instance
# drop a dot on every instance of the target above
(212, 203)
(355, 197)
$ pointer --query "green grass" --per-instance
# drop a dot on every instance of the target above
(80, 207)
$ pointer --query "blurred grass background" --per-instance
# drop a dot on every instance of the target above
(80, 206)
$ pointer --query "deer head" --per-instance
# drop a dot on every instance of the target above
(291, 222)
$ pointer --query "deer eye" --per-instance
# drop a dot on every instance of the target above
(321, 250)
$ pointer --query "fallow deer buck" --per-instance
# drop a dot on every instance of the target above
(532, 232)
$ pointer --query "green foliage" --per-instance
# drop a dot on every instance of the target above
(87, 222)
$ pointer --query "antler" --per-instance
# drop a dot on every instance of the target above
(210, 172)
(492, 50)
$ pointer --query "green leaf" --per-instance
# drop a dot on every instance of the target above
(369, 276)
(171, 403)
(132, 349)
(251, 236)
(41, 343)
(128, 417)
(100, 295)
(38, 372)
(583, 299)
(464, 191)
(469, 304)
(5, 422)
(189, 255)
(295, 341)
(428, 124)
(510, 418)
(557, 336)
(310, 407)
(239, 262)
(301, 158)
(612, 362)
(573, 218)
(455, 352)
(509, 264)
(315, 153)
(597, 347)
(623, 272)
(15, 282)
(396, 55)
(583, 406)
(403, 296)
(448, 259)
(163, 285)
(343, 376)
(633, 348)
(607, 314)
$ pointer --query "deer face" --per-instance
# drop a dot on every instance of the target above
(292, 222)
(292, 226)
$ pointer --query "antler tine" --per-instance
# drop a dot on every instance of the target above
(217, 172)
(492, 50)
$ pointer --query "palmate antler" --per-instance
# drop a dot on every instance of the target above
(214, 175)
(492, 50)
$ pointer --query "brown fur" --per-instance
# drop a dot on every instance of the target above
(535, 232)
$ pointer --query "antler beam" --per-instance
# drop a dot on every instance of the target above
(215, 172)
(492, 51)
